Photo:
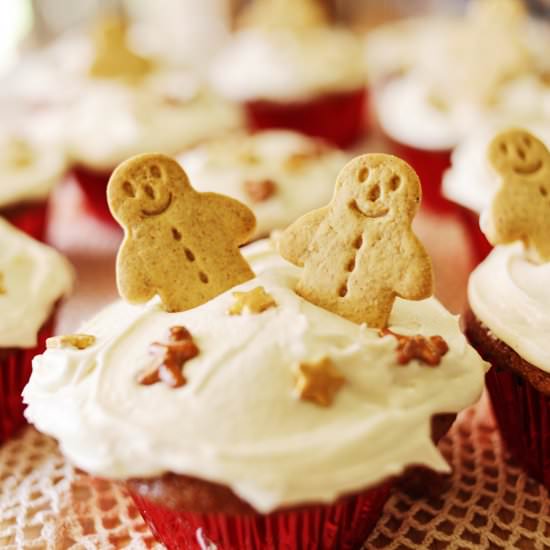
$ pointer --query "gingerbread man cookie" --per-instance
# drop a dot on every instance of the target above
(179, 244)
(521, 207)
(359, 252)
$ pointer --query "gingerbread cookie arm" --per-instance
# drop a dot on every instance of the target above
(132, 280)
(294, 242)
(415, 280)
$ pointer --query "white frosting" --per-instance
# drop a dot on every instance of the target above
(237, 421)
(41, 165)
(510, 296)
(282, 65)
(34, 277)
(168, 114)
(225, 165)
(470, 181)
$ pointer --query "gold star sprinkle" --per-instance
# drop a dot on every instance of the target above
(319, 382)
(78, 341)
(256, 300)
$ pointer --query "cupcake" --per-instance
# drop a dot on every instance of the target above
(130, 104)
(243, 405)
(471, 184)
(33, 279)
(487, 63)
(290, 68)
(29, 169)
(278, 174)
(508, 305)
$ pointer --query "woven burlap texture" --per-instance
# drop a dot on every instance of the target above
(487, 502)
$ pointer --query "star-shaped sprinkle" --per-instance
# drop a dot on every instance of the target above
(256, 300)
(428, 350)
(319, 382)
(260, 190)
(172, 356)
(77, 341)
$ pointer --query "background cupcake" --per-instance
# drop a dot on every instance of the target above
(277, 66)
(33, 279)
(279, 174)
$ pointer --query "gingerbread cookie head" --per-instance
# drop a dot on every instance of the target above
(372, 187)
(359, 253)
(179, 244)
(521, 207)
(145, 188)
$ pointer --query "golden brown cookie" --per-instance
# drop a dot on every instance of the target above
(521, 208)
(178, 243)
(359, 252)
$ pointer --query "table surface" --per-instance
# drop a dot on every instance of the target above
(487, 502)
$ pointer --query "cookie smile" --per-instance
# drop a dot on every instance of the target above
(158, 211)
(368, 214)
(528, 169)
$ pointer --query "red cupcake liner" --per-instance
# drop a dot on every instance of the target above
(523, 417)
(15, 371)
(344, 525)
(31, 218)
(337, 118)
(479, 244)
(93, 184)
(430, 167)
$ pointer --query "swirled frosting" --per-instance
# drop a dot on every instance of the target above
(282, 65)
(238, 421)
(470, 181)
(510, 296)
(302, 170)
(33, 278)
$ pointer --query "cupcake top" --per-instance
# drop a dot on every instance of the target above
(489, 62)
(33, 277)
(279, 174)
(282, 54)
(508, 291)
(29, 167)
(286, 399)
(470, 181)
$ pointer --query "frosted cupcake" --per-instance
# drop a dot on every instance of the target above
(492, 61)
(33, 279)
(290, 68)
(297, 414)
(29, 170)
(279, 174)
(508, 296)
(470, 182)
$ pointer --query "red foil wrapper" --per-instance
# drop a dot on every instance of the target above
(523, 417)
(93, 184)
(430, 167)
(15, 370)
(479, 244)
(344, 525)
(31, 218)
(339, 118)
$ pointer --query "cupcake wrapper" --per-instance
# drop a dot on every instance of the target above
(15, 370)
(478, 242)
(344, 525)
(430, 167)
(523, 416)
(337, 118)
(93, 184)
(31, 218)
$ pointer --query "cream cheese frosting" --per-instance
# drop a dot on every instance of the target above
(281, 65)
(168, 113)
(34, 277)
(303, 171)
(470, 181)
(238, 421)
(509, 294)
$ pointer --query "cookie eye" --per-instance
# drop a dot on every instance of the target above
(149, 191)
(363, 174)
(374, 193)
(521, 153)
(503, 148)
(154, 171)
(128, 188)
(526, 141)
(543, 191)
(395, 182)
